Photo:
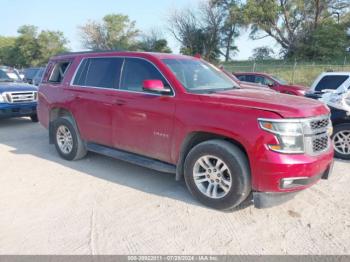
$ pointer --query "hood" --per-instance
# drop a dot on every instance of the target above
(13, 86)
(285, 105)
(249, 85)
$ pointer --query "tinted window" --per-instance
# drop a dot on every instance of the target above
(241, 78)
(135, 71)
(259, 80)
(331, 82)
(81, 74)
(99, 72)
(250, 78)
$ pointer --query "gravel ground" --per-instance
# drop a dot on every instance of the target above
(99, 205)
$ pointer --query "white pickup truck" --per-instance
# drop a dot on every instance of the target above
(327, 83)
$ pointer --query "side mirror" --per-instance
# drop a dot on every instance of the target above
(270, 85)
(155, 86)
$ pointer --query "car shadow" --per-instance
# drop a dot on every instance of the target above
(25, 137)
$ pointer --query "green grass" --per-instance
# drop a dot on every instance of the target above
(301, 73)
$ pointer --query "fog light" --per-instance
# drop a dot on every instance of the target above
(287, 183)
(292, 182)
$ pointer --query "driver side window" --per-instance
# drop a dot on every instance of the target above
(269, 82)
(135, 71)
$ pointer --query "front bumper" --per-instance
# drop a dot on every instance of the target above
(17, 110)
(270, 199)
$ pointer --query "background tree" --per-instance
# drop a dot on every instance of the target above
(232, 13)
(50, 43)
(153, 41)
(291, 22)
(198, 31)
(327, 42)
(6, 44)
(262, 53)
(31, 48)
(116, 31)
(186, 29)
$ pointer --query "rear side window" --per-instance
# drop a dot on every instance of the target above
(99, 72)
(250, 78)
(259, 80)
(241, 77)
(331, 82)
(135, 71)
(58, 72)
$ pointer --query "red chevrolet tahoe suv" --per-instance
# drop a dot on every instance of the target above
(180, 114)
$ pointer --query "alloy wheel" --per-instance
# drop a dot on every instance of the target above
(212, 177)
(64, 139)
(341, 141)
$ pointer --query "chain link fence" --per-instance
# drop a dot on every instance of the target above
(303, 73)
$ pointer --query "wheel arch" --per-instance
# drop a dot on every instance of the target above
(195, 138)
(56, 113)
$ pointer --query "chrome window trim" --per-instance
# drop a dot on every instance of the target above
(121, 71)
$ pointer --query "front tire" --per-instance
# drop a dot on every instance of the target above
(341, 141)
(67, 139)
(217, 173)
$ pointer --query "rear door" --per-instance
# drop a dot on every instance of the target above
(144, 122)
(94, 91)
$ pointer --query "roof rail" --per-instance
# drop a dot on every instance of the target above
(91, 52)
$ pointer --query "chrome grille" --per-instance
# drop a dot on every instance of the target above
(20, 97)
(320, 123)
(316, 134)
(320, 144)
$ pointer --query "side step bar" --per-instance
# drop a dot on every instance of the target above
(132, 158)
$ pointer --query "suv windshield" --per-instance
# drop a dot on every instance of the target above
(7, 75)
(197, 75)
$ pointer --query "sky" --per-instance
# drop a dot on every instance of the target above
(67, 15)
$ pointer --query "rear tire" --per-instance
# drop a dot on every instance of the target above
(341, 141)
(34, 118)
(67, 139)
(222, 167)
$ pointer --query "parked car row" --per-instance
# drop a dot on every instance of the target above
(226, 137)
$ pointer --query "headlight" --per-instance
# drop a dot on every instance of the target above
(289, 135)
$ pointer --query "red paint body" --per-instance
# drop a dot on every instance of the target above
(277, 86)
(157, 126)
